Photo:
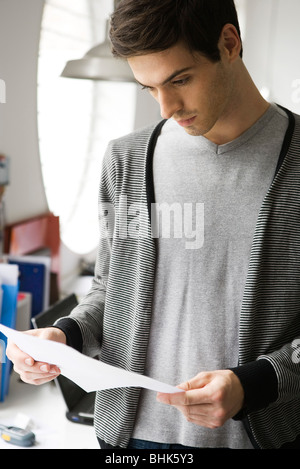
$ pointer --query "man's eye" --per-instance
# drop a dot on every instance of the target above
(181, 82)
(148, 88)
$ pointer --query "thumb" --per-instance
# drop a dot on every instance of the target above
(198, 382)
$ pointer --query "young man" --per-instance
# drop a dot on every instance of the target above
(220, 315)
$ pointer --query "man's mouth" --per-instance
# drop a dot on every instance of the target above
(186, 122)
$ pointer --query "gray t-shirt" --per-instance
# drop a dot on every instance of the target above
(202, 265)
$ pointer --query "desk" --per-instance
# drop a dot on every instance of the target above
(45, 406)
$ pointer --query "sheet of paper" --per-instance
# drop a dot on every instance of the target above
(90, 374)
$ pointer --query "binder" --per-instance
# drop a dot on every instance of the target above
(9, 279)
(34, 278)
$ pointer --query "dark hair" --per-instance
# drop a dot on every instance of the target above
(143, 26)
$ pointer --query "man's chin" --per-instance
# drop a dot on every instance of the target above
(193, 131)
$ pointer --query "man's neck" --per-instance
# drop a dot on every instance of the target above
(246, 107)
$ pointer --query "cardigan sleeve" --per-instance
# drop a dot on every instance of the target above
(286, 363)
(272, 378)
(260, 386)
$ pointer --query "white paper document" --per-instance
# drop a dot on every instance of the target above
(88, 373)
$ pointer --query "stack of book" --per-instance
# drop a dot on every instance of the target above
(24, 283)
(9, 275)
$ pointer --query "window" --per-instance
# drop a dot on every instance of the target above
(76, 118)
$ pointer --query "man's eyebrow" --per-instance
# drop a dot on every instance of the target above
(170, 78)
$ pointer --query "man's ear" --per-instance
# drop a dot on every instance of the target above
(230, 42)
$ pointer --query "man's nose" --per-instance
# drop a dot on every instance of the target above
(169, 103)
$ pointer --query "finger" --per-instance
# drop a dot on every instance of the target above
(38, 382)
(39, 373)
(33, 370)
(202, 420)
(24, 362)
(36, 379)
(35, 367)
(176, 399)
(188, 398)
(45, 368)
(197, 382)
(196, 411)
(203, 415)
(38, 369)
(193, 413)
(15, 354)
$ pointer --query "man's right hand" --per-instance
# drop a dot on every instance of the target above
(30, 371)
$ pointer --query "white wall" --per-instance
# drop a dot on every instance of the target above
(19, 40)
(272, 42)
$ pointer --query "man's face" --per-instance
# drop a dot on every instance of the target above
(188, 87)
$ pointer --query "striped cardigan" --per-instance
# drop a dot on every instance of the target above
(113, 321)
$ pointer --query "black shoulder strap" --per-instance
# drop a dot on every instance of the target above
(149, 165)
(287, 139)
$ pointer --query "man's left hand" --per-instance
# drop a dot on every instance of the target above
(210, 398)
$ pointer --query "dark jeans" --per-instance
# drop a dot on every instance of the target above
(141, 444)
